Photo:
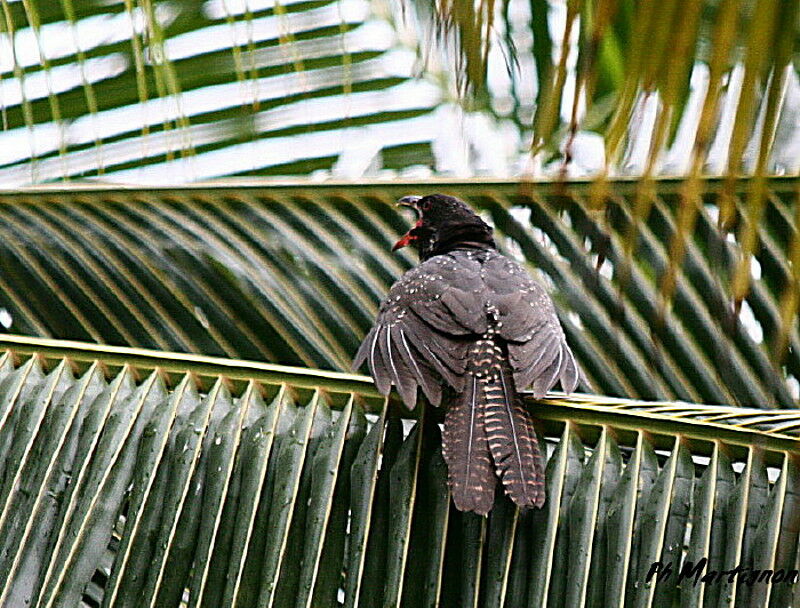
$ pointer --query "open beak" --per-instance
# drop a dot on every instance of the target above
(413, 203)
(406, 240)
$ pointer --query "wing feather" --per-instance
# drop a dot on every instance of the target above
(400, 374)
(377, 365)
(570, 375)
(363, 350)
(536, 360)
(467, 308)
(419, 372)
(547, 379)
(436, 354)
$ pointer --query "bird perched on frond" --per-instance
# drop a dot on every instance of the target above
(471, 328)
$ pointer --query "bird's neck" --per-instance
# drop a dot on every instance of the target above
(464, 237)
(448, 246)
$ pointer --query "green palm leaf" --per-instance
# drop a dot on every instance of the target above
(135, 477)
(601, 66)
(293, 274)
(202, 89)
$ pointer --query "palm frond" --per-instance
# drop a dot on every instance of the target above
(135, 90)
(669, 89)
(153, 478)
(293, 274)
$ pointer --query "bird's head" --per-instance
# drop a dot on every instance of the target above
(444, 223)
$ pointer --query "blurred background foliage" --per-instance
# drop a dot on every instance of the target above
(172, 91)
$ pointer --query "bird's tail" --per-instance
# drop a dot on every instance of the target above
(466, 451)
(487, 427)
(512, 441)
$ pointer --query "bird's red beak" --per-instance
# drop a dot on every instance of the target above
(408, 238)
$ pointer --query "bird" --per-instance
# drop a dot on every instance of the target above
(471, 328)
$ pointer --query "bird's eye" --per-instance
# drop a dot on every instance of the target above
(425, 205)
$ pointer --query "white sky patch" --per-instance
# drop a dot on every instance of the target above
(794, 387)
(718, 152)
(755, 269)
(371, 36)
(751, 152)
(606, 268)
(640, 132)
(5, 318)
(270, 151)
(451, 147)
(750, 323)
(521, 214)
(497, 77)
(220, 9)
(786, 152)
(679, 157)
(588, 155)
(773, 473)
(58, 39)
(61, 78)
(413, 172)
(575, 318)
(225, 35)
(357, 160)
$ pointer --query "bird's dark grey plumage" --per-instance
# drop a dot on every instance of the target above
(469, 326)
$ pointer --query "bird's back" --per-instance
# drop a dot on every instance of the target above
(473, 320)
(439, 307)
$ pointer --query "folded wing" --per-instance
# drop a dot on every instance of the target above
(424, 329)
(436, 310)
(538, 351)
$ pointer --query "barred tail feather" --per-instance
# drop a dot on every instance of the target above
(466, 451)
(512, 441)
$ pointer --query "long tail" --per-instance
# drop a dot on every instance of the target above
(513, 445)
(466, 451)
(486, 426)
(509, 429)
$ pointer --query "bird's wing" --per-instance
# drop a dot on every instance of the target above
(538, 352)
(421, 329)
